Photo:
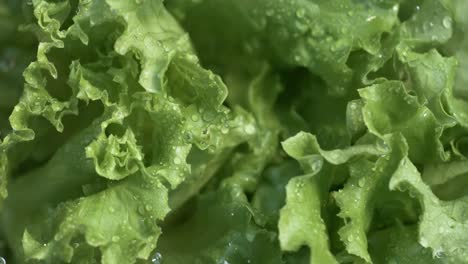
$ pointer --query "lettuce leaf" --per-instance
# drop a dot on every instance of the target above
(233, 132)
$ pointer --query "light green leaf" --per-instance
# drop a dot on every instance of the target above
(363, 192)
(442, 224)
(390, 108)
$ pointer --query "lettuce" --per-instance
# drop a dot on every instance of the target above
(233, 132)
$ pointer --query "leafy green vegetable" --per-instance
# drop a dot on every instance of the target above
(233, 132)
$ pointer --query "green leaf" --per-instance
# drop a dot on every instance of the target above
(300, 222)
(306, 194)
(399, 245)
(234, 235)
(154, 38)
(443, 223)
(433, 79)
(302, 28)
(430, 25)
(363, 192)
(124, 159)
(390, 108)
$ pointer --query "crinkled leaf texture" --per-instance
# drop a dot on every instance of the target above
(129, 133)
(234, 132)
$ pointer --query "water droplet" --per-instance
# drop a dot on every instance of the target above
(195, 118)
(299, 185)
(141, 209)
(211, 149)
(333, 48)
(202, 144)
(300, 13)
(157, 258)
(211, 76)
(427, 25)
(447, 22)
(188, 136)
(438, 253)
(151, 42)
(297, 58)
(382, 146)
(224, 129)
(148, 207)
(353, 105)
(115, 239)
(249, 129)
(208, 116)
(270, 12)
(361, 182)
(301, 26)
(57, 237)
(317, 31)
(177, 161)
(370, 18)
(317, 165)
(111, 209)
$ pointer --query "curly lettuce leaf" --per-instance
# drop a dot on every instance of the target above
(389, 108)
(132, 152)
(442, 224)
(365, 190)
(235, 236)
(399, 245)
(318, 35)
(143, 124)
(307, 194)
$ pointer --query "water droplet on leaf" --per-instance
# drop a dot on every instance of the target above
(361, 182)
(447, 22)
(157, 258)
(188, 136)
(249, 129)
(224, 130)
(300, 13)
(195, 118)
(209, 116)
